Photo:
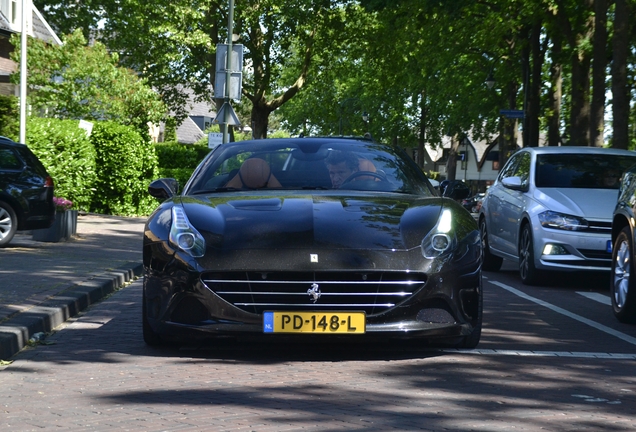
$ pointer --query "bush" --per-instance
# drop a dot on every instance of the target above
(68, 155)
(127, 164)
(9, 115)
(178, 161)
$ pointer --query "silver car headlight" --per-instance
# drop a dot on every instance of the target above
(441, 238)
(555, 220)
(184, 236)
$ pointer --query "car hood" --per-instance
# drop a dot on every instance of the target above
(396, 222)
(594, 204)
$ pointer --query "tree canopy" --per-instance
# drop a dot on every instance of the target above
(416, 67)
(76, 81)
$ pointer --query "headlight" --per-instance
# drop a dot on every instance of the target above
(184, 236)
(441, 238)
(552, 219)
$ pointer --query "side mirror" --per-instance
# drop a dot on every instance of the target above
(513, 183)
(163, 188)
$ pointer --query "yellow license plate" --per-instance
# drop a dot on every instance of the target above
(314, 322)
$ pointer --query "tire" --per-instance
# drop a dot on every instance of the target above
(622, 285)
(527, 269)
(491, 262)
(151, 337)
(8, 223)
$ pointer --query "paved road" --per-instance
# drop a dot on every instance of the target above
(95, 373)
(551, 358)
(42, 284)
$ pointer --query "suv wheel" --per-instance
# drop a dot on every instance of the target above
(8, 223)
(622, 289)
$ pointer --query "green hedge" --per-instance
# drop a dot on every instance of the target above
(68, 155)
(127, 164)
(9, 117)
(178, 161)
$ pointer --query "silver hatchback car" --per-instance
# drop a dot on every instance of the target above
(551, 209)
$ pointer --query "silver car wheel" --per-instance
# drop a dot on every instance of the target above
(6, 224)
(621, 274)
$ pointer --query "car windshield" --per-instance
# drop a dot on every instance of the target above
(306, 164)
(581, 170)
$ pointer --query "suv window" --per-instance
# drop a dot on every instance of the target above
(9, 161)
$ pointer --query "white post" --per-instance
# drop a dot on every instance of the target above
(26, 9)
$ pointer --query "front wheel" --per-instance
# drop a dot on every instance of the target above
(622, 289)
(527, 269)
(8, 223)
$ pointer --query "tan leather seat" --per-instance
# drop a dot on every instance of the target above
(255, 173)
(366, 165)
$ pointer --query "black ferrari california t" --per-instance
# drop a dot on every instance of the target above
(328, 238)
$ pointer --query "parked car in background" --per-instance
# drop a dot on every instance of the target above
(551, 208)
(26, 191)
(623, 276)
(473, 203)
(310, 238)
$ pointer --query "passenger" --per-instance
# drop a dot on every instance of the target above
(611, 179)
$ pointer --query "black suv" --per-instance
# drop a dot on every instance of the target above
(26, 191)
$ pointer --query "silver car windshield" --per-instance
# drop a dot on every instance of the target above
(565, 170)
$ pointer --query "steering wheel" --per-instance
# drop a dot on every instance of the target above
(357, 174)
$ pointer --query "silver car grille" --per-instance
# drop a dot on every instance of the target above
(599, 227)
(256, 292)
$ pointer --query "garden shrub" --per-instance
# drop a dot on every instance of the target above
(68, 155)
(127, 164)
(178, 161)
(9, 116)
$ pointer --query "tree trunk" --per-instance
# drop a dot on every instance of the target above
(534, 96)
(620, 93)
(260, 120)
(580, 92)
(555, 93)
(508, 143)
(597, 110)
(451, 162)
(422, 136)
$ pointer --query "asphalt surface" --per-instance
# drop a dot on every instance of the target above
(42, 284)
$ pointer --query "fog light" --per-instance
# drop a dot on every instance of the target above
(554, 249)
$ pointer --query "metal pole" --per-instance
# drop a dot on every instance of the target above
(228, 70)
(23, 71)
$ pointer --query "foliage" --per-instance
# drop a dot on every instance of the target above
(76, 81)
(127, 164)
(274, 32)
(9, 115)
(178, 161)
(68, 155)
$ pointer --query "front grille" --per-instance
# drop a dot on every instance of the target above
(372, 292)
(599, 227)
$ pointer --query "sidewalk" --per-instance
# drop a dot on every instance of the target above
(44, 284)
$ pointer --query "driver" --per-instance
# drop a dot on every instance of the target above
(341, 164)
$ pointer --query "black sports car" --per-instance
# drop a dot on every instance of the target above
(314, 238)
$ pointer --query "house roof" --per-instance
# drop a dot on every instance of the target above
(188, 132)
(39, 28)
